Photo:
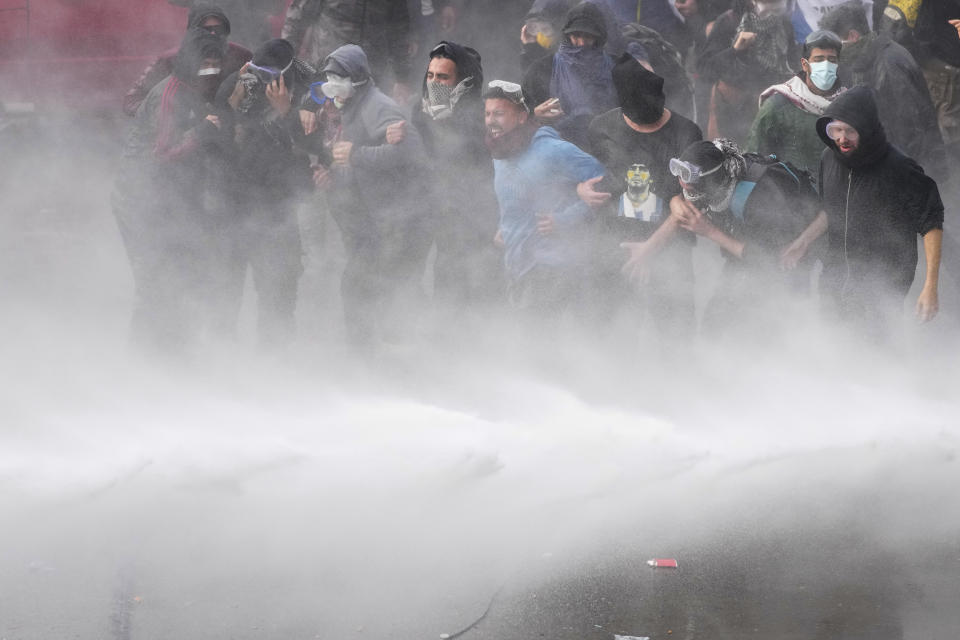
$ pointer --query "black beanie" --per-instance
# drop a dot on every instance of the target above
(277, 53)
(703, 154)
(640, 91)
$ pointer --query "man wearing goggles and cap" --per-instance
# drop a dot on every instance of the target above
(542, 220)
(877, 200)
(753, 210)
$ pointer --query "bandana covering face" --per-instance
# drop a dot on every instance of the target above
(441, 99)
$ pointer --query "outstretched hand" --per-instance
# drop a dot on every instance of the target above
(590, 196)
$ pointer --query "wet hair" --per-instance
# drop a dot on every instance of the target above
(846, 17)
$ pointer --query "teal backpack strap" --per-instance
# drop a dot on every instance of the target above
(740, 194)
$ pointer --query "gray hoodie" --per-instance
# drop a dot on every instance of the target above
(384, 178)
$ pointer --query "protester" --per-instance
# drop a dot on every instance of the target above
(159, 194)
(574, 85)
(459, 182)
(381, 27)
(250, 19)
(748, 50)
(752, 210)
(210, 18)
(542, 220)
(784, 126)
(906, 109)
(635, 143)
(877, 201)
(374, 195)
(267, 179)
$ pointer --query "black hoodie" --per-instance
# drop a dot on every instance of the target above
(877, 200)
(459, 163)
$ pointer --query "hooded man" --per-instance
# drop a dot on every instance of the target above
(542, 221)
(159, 195)
(574, 85)
(753, 211)
(903, 98)
(374, 195)
(251, 19)
(265, 178)
(208, 17)
(746, 52)
(877, 201)
(463, 207)
(635, 143)
(784, 126)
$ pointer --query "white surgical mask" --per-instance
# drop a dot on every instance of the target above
(209, 71)
(823, 74)
(338, 88)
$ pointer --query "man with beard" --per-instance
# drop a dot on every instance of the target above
(635, 143)
(753, 211)
(374, 195)
(542, 221)
(158, 198)
(210, 18)
(784, 125)
(462, 205)
(877, 201)
(574, 85)
(903, 98)
(746, 52)
(266, 178)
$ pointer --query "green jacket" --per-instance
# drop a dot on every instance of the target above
(788, 131)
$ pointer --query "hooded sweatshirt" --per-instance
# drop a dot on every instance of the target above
(381, 177)
(877, 200)
(459, 162)
(579, 76)
(234, 57)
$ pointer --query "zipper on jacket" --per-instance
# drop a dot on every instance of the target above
(846, 228)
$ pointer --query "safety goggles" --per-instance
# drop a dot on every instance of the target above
(507, 90)
(836, 130)
(267, 74)
(689, 173)
(443, 50)
(219, 30)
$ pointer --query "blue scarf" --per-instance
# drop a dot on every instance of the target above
(582, 79)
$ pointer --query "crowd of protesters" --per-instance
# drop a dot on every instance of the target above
(558, 171)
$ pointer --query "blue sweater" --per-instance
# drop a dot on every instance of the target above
(543, 179)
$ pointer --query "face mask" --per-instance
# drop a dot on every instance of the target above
(441, 99)
(823, 74)
(644, 109)
(209, 71)
(338, 88)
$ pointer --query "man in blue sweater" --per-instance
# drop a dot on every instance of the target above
(543, 223)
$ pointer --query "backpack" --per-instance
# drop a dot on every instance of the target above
(757, 166)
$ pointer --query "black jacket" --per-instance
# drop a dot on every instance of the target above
(877, 200)
(903, 99)
(460, 168)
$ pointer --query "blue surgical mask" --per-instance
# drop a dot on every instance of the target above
(823, 74)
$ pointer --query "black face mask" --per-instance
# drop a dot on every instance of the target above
(644, 109)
